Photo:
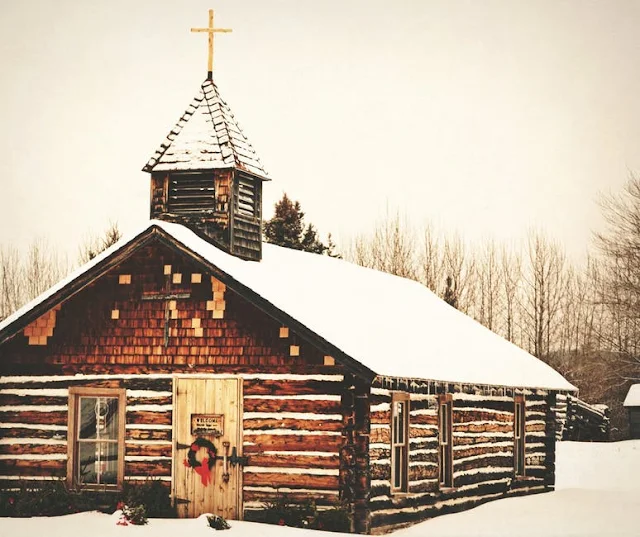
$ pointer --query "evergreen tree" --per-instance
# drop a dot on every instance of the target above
(287, 228)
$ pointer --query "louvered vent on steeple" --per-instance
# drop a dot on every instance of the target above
(191, 193)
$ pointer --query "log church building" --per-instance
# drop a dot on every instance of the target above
(234, 371)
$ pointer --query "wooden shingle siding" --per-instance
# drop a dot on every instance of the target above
(483, 465)
(243, 337)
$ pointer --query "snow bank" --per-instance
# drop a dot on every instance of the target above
(598, 495)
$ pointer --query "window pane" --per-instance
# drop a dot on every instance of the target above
(397, 477)
(98, 418)
(97, 463)
(400, 418)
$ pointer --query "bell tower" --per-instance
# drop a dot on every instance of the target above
(207, 176)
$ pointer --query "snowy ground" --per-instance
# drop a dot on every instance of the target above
(598, 494)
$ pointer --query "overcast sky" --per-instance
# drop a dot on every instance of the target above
(484, 117)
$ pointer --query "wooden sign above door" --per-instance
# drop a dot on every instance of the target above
(207, 424)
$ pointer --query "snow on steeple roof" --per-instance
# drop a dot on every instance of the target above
(206, 137)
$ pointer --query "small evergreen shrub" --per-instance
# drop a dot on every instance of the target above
(218, 523)
(153, 494)
(137, 516)
(284, 512)
(52, 498)
(337, 519)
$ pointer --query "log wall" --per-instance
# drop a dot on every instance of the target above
(293, 432)
(33, 421)
(483, 456)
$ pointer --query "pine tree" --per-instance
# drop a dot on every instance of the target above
(287, 228)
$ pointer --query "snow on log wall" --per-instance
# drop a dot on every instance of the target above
(34, 416)
(483, 454)
(292, 432)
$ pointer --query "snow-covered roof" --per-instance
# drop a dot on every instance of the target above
(633, 397)
(206, 137)
(394, 326)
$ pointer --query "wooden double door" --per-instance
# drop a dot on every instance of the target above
(207, 411)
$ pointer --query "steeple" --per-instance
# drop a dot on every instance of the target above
(207, 176)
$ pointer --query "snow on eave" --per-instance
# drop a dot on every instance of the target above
(67, 280)
(387, 325)
(633, 396)
(390, 325)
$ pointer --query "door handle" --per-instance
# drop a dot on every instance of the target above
(225, 461)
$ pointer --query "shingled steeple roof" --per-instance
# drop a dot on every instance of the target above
(206, 137)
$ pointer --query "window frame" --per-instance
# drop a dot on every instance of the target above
(75, 393)
(445, 448)
(400, 397)
(519, 436)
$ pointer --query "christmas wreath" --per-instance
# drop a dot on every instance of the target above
(198, 443)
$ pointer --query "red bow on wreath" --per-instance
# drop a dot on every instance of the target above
(202, 468)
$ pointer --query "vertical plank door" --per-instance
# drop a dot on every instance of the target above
(210, 397)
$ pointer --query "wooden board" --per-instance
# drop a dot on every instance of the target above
(207, 396)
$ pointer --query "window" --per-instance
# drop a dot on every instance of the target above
(399, 442)
(445, 443)
(191, 193)
(519, 421)
(96, 437)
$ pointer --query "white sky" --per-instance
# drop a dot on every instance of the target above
(485, 117)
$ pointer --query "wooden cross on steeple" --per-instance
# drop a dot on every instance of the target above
(211, 30)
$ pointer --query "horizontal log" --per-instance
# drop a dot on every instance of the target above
(380, 471)
(418, 473)
(379, 453)
(291, 387)
(495, 461)
(306, 481)
(26, 467)
(487, 427)
(480, 438)
(40, 400)
(381, 417)
(148, 450)
(294, 461)
(535, 427)
(419, 432)
(493, 404)
(148, 434)
(23, 432)
(425, 486)
(144, 416)
(33, 449)
(474, 450)
(162, 400)
(479, 415)
(292, 424)
(28, 416)
(425, 419)
(312, 442)
(491, 475)
(380, 435)
(147, 468)
(63, 383)
(292, 405)
(430, 456)
(319, 498)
